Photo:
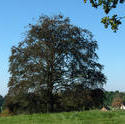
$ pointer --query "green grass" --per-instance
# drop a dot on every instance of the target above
(86, 117)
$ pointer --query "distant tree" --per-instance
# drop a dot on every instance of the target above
(109, 5)
(109, 96)
(117, 101)
(53, 56)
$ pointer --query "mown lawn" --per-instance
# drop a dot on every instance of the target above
(86, 117)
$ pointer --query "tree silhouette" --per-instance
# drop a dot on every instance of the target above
(54, 55)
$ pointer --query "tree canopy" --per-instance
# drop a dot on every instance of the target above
(54, 56)
(107, 6)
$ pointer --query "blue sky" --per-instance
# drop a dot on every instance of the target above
(15, 15)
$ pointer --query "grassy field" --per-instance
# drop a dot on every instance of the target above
(86, 117)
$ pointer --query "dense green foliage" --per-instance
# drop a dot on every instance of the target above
(1, 102)
(86, 117)
(68, 100)
(110, 97)
(108, 5)
(52, 67)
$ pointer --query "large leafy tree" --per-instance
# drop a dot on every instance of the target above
(53, 56)
(114, 21)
